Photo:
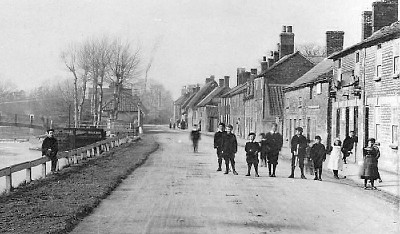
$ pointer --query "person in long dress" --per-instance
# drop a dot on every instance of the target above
(335, 162)
(371, 155)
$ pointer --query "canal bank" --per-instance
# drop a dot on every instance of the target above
(57, 203)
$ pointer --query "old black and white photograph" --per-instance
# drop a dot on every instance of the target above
(199, 116)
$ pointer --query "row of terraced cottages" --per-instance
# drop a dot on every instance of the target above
(353, 89)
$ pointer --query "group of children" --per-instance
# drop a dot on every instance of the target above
(226, 145)
(271, 143)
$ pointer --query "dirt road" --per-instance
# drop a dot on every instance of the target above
(178, 191)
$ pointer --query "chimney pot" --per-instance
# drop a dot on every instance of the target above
(284, 28)
(253, 71)
(289, 29)
(272, 53)
(264, 58)
(334, 41)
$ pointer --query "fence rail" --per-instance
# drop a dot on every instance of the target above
(72, 156)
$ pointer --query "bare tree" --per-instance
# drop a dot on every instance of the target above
(75, 61)
(7, 89)
(311, 49)
(124, 67)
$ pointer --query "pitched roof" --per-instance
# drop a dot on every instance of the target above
(186, 101)
(315, 74)
(276, 96)
(315, 59)
(279, 62)
(182, 99)
(386, 33)
(205, 90)
(217, 92)
(235, 90)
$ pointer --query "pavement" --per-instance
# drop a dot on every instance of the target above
(390, 180)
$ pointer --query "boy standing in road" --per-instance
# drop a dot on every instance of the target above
(274, 142)
(252, 148)
(318, 155)
(218, 139)
(50, 149)
(229, 149)
(298, 146)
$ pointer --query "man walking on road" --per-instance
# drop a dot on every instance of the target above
(195, 136)
(218, 140)
(229, 149)
(274, 145)
(298, 146)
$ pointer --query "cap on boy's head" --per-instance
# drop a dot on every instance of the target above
(230, 126)
(371, 140)
(50, 130)
(300, 129)
(221, 124)
(317, 137)
(252, 134)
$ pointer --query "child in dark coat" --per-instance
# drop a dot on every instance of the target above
(318, 155)
(252, 148)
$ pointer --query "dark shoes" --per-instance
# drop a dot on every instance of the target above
(219, 169)
(315, 178)
(247, 174)
(226, 172)
(235, 173)
(336, 177)
(291, 176)
(303, 177)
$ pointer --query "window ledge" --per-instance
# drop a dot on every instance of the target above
(395, 147)
(395, 76)
(377, 79)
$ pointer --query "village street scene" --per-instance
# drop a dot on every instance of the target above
(189, 117)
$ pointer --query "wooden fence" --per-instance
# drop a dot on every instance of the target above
(72, 156)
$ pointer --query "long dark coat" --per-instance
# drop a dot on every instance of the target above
(370, 167)
(229, 145)
(299, 142)
(218, 140)
(252, 149)
(318, 154)
(52, 144)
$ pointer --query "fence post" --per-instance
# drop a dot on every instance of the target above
(28, 175)
(88, 153)
(98, 150)
(44, 170)
(8, 182)
(82, 155)
(94, 151)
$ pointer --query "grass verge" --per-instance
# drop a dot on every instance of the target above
(57, 203)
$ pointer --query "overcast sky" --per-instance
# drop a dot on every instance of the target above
(196, 38)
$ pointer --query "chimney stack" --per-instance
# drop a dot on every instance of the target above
(226, 78)
(276, 56)
(183, 90)
(334, 41)
(366, 24)
(210, 79)
(264, 64)
(286, 42)
(221, 82)
(239, 75)
(384, 13)
(253, 71)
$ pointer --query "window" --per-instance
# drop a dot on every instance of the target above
(300, 101)
(396, 53)
(319, 88)
(287, 103)
(311, 91)
(357, 57)
(378, 62)
(394, 134)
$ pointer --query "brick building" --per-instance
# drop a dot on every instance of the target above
(366, 90)
(193, 112)
(307, 101)
(208, 107)
(180, 104)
